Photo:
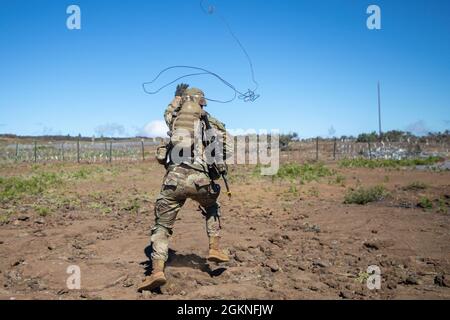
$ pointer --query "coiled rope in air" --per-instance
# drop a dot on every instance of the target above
(248, 96)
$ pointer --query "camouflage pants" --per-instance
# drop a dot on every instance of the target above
(180, 183)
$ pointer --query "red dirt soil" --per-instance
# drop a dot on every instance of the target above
(284, 243)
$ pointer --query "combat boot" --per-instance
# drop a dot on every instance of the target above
(156, 279)
(215, 254)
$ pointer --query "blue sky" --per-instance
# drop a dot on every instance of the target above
(316, 62)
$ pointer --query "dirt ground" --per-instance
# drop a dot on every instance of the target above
(286, 240)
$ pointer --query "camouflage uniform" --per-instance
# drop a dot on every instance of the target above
(183, 181)
(180, 183)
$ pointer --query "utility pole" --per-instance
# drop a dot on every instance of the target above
(379, 111)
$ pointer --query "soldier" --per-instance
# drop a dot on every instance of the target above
(186, 177)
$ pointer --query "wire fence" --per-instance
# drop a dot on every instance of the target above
(142, 149)
(336, 149)
(78, 151)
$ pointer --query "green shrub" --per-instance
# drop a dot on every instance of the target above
(132, 206)
(15, 187)
(306, 172)
(338, 180)
(416, 185)
(42, 211)
(442, 206)
(425, 203)
(365, 195)
(293, 189)
(4, 216)
(82, 173)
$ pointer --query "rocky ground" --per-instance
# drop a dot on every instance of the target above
(287, 240)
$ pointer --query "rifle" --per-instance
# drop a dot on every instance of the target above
(213, 169)
(225, 180)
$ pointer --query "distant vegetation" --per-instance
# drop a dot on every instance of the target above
(285, 139)
(67, 138)
(390, 136)
(387, 163)
(398, 136)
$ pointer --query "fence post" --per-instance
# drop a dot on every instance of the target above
(62, 151)
(106, 150)
(334, 149)
(370, 150)
(35, 151)
(110, 151)
(143, 154)
(78, 149)
(317, 149)
(17, 151)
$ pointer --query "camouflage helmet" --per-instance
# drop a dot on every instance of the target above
(195, 95)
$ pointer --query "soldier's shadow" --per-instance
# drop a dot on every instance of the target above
(183, 260)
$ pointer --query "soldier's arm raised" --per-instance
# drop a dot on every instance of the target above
(176, 102)
(168, 114)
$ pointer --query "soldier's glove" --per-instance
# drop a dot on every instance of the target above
(175, 104)
(180, 89)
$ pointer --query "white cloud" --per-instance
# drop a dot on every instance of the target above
(154, 129)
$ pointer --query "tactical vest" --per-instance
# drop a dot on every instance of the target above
(186, 132)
